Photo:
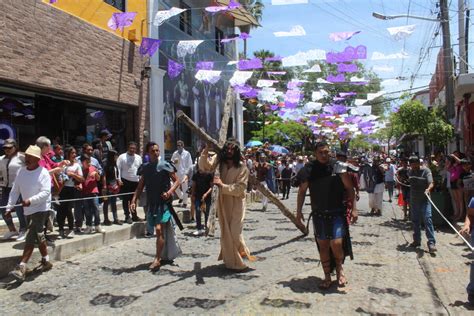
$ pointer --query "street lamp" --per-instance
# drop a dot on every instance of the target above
(391, 17)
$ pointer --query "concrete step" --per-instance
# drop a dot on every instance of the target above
(62, 249)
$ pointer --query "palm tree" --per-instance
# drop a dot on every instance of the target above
(255, 7)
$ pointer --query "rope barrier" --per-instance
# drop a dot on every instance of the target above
(451, 225)
(77, 199)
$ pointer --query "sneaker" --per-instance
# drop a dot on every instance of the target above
(21, 236)
(107, 223)
(99, 230)
(62, 235)
(10, 235)
(432, 248)
(46, 265)
(149, 235)
(117, 222)
(136, 219)
(128, 220)
(197, 233)
(19, 273)
(264, 209)
(70, 234)
(415, 244)
(77, 230)
(88, 230)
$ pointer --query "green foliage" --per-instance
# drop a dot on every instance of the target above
(285, 133)
(360, 143)
(413, 118)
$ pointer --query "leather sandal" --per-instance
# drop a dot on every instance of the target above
(327, 282)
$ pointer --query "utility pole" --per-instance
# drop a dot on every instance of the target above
(462, 37)
(448, 60)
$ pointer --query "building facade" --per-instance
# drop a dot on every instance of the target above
(65, 75)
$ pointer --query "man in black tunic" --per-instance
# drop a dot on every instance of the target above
(327, 182)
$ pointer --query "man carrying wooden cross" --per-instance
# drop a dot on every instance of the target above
(230, 206)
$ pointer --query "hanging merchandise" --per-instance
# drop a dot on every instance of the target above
(204, 65)
(400, 32)
(121, 20)
(210, 76)
(187, 47)
(342, 36)
(231, 6)
(296, 30)
(247, 64)
(163, 15)
(149, 46)
(240, 77)
(315, 68)
(174, 69)
(242, 36)
(347, 68)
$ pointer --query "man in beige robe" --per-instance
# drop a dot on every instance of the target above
(230, 206)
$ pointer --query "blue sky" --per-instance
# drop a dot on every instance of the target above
(321, 17)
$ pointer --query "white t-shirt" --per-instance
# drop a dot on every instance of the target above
(33, 185)
(7, 177)
(77, 169)
(127, 167)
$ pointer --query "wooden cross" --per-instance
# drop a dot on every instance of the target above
(218, 145)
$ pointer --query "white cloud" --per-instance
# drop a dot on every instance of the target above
(285, 2)
(384, 68)
(296, 30)
(382, 56)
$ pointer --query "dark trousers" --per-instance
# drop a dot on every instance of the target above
(286, 188)
(198, 203)
(65, 208)
(112, 201)
(128, 187)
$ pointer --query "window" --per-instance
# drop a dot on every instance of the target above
(185, 21)
(219, 44)
(119, 4)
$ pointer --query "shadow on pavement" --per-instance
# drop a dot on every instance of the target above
(270, 248)
(114, 301)
(309, 285)
(388, 290)
(191, 302)
(466, 305)
(278, 303)
(397, 224)
(38, 298)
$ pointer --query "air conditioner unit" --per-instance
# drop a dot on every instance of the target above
(463, 84)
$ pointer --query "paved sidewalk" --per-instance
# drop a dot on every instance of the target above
(384, 278)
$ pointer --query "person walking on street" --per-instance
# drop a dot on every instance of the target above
(327, 185)
(10, 163)
(262, 168)
(183, 162)
(404, 181)
(230, 206)
(390, 178)
(33, 183)
(286, 175)
(156, 176)
(201, 190)
(127, 168)
(421, 183)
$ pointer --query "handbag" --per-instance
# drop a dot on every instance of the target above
(113, 187)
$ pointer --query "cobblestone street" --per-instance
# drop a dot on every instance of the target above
(384, 277)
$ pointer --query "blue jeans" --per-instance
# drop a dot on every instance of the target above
(470, 286)
(91, 209)
(421, 210)
(18, 210)
(198, 212)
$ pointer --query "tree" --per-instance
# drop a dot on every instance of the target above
(255, 7)
(413, 118)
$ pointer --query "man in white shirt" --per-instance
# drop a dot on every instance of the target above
(33, 183)
(127, 167)
(183, 162)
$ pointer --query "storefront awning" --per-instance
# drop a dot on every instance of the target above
(242, 16)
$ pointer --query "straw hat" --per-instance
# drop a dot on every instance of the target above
(34, 151)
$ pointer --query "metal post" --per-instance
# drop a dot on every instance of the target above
(448, 60)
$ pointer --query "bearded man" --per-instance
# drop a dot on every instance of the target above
(230, 206)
